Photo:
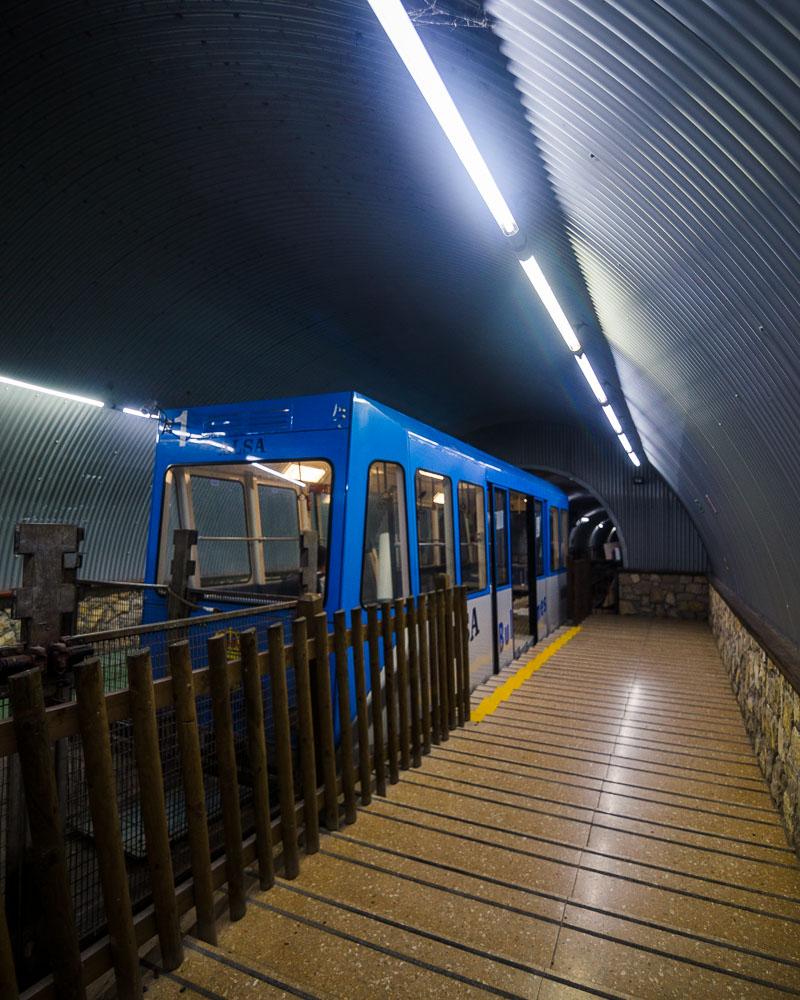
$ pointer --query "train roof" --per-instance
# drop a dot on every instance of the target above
(333, 411)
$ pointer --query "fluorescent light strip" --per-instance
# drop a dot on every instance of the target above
(613, 419)
(623, 440)
(591, 378)
(550, 302)
(634, 458)
(133, 412)
(403, 36)
(272, 472)
(15, 382)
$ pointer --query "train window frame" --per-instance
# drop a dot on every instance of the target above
(486, 585)
(552, 521)
(265, 538)
(506, 535)
(405, 549)
(563, 533)
(448, 506)
(538, 538)
(226, 471)
(228, 580)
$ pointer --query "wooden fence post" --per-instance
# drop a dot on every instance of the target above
(102, 789)
(283, 749)
(193, 788)
(8, 975)
(413, 679)
(465, 683)
(424, 668)
(345, 718)
(376, 690)
(432, 614)
(305, 724)
(402, 679)
(441, 645)
(47, 838)
(391, 690)
(228, 775)
(325, 720)
(453, 692)
(257, 751)
(357, 642)
(152, 805)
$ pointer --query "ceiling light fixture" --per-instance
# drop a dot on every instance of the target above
(623, 440)
(133, 412)
(403, 36)
(634, 458)
(594, 382)
(272, 472)
(536, 277)
(613, 419)
(17, 384)
(307, 473)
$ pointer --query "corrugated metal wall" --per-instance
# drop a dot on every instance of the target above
(64, 461)
(670, 134)
(654, 526)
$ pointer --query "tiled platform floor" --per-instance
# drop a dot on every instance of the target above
(606, 832)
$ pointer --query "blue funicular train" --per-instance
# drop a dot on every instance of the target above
(341, 495)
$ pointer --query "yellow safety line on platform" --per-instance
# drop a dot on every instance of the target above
(507, 688)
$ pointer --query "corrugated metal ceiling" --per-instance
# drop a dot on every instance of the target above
(669, 130)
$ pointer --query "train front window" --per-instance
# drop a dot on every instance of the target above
(280, 528)
(564, 516)
(472, 529)
(261, 526)
(221, 522)
(435, 547)
(384, 574)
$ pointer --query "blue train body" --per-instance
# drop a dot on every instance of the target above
(339, 493)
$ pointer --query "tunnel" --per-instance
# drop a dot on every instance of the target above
(399, 565)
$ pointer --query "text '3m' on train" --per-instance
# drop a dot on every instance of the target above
(340, 495)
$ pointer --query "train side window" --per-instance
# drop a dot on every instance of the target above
(223, 550)
(472, 531)
(564, 537)
(553, 539)
(434, 494)
(539, 551)
(500, 537)
(384, 574)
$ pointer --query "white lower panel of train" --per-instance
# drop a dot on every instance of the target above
(551, 603)
(551, 611)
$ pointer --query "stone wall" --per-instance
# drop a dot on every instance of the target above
(9, 629)
(664, 595)
(770, 706)
(95, 614)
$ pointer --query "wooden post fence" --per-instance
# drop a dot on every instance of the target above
(401, 682)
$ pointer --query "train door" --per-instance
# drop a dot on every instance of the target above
(500, 578)
(540, 609)
(523, 571)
